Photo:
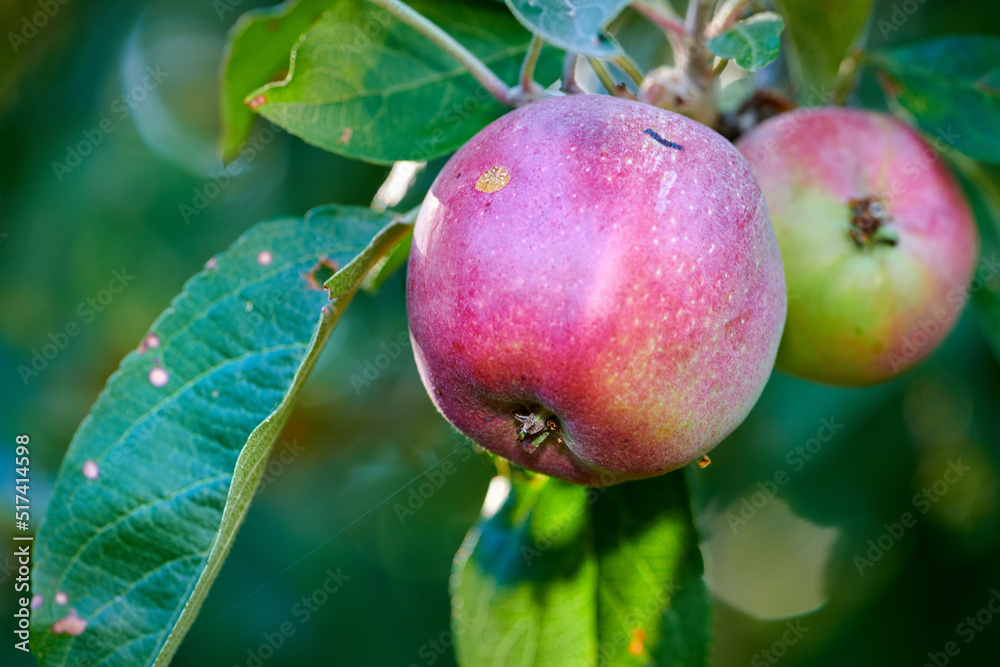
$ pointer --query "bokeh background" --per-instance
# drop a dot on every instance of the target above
(358, 445)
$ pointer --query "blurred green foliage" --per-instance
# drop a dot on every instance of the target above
(355, 451)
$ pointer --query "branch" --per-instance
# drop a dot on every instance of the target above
(699, 64)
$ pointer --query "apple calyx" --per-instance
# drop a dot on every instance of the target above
(539, 424)
(870, 223)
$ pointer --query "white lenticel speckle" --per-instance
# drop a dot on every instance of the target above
(61, 598)
(90, 470)
(159, 377)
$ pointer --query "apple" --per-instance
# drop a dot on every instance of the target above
(594, 289)
(878, 241)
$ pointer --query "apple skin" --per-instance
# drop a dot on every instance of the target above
(861, 313)
(631, 288)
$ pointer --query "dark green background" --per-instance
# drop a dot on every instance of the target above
(333, 505)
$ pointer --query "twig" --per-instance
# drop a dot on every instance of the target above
(629, 68)
(602, 74)
(728, 14)
(396, 184)
(483, 74)
(669, 24)
(569, 84)
(697, 18)
(528, 84)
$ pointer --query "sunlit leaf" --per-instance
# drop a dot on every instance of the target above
(566, 575)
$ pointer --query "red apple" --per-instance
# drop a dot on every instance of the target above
(595, 291)
(877, 240)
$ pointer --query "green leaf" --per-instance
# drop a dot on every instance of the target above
(566, 575)
(573, 25)
(951, 87)
(752, 43)
(525, 581)
(258, 50)
(364, 85)
(160, 475)
(650, 583)
(820, 34)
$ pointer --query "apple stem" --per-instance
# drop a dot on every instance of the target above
(609, 84)
(483, 74)
(528, 84)
(569, 84)
(847, 76)
(629, 68)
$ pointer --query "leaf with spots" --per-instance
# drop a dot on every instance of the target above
(366, 86)
(565, 575)
(753, 43)
(258, 50)
(951, 87)
(160, 475)
(573, 25)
